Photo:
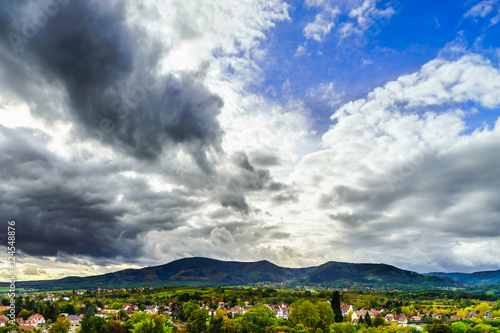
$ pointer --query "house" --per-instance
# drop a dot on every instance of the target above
(109, 311)
(389, 317)
(436, 316)
(75, 320)
(20, 320)
(239, 310)
(401, 318)
(360, 313)
(471, 315)
(282, 310)
(487, 315)
(152, 308)
(26, 327)
(3, 320)
(416, 319)
(130, 309)
(346, 308)
(100, 314)
(455, 317)
(35, 320)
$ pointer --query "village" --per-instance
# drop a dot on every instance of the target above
(42, 312)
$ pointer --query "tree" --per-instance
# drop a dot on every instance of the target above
(336, 307)
(379, 321)
(342, 328)
(255, 320)
(190, 307)
(60, 326)
(91, 324)
(368, 319)
(121, 314)
(305, 312)
(25, 314)
(439, 328)
(113, 327)
(459, 327)
(152, 324)
(480, 308)
(326, 315)
(197, 321)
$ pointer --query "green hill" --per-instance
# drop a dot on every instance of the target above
(210, 272)
(473, 279)
(380, 276)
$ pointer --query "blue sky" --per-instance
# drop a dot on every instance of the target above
(417, 33)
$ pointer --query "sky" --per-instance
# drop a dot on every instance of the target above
(134, 133)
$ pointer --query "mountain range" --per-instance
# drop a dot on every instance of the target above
(473, 279)
(210, 272)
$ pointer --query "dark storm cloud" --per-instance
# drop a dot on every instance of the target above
(265, 160)
(236, 201)
(105, 68)
(85, 66)
(73, 208)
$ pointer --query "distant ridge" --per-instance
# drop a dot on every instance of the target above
(474, 279)
(199, 271)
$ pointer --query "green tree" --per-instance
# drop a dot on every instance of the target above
(151, 324)
(459, 327)
(25, 314)
(255, 320)
(342, 328)
(439, 328)
(326, 315)
(113, 327)
(116, 306)
(91, 324)
(121, 314)
(305, 312)
(197, 321)
(379, 321)
(190, 307)
(60, 326)
(336, 307)
(368, 320)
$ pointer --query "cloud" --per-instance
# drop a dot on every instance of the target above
(405, 183)
(146, 137)
(321, 26)
(481, 9)
(109, 96)
(121, 138)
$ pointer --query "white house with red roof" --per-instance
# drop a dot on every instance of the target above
(152, 308)
(3, 320)
(36, 320)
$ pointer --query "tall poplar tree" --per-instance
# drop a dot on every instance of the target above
(336, 307)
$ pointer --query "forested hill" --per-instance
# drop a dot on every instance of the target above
(473, 279)
(210, 272)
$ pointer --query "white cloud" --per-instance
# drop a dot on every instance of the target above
(322, 25)
(481, 9)
(362, 18)
(301, 50)
(398, 180)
